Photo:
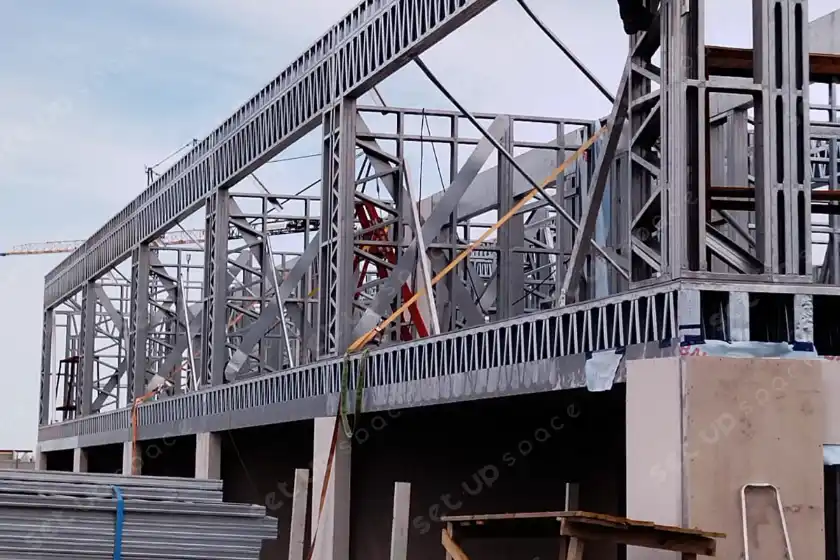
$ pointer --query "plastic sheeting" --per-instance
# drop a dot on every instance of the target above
(723, 349)
(601, 369)
(831, 454)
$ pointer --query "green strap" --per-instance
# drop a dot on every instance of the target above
(343, 397)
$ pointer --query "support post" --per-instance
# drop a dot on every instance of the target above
(47, 332)
(338, 186)
(782, 137)
(128, 460)
(511, 236)
(689, 315)
(335, 325)
(399, 523)
(214, 325)
(40, 459)
(208, 456)
(80, 460)
(642, 176)
(331, 524)
(803, 318)
(87, 344)
(683, 131)
(297, 530)
(138, 327)
(739, 316)
(833, 171)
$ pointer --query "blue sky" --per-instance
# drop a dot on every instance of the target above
(92, 91)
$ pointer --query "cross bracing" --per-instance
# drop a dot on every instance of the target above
(691, 216)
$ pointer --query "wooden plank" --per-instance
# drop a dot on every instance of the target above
(625, 523)
(297, 531)
(399, 523)
(646, 536)
(575, 551)
(579, 516)
(736, 62)
(452, 548)
(502, 516)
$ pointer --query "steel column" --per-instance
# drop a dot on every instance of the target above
(138, 327)
(214, 325)
(684, 172)
(782, 136)
(337, 236)
(510, 238)
(47, 333)
(832, 256)
(87, 344)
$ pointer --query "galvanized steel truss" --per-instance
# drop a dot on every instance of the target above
(708, 192)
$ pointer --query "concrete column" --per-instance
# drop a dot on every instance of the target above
(128, 458)
(40, 459)
(654, 464)
(208, 456)
(739, 316)
(80, 460)
(332, 541)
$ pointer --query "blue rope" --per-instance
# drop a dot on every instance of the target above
(118, 525)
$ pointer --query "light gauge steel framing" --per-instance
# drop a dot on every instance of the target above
(699, 200)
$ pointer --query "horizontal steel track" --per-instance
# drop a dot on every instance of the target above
(636, 317)
(371, 42)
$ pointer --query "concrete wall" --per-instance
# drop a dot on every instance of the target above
(497, 456)
(168, 457)
(105, 459)
(258, 467)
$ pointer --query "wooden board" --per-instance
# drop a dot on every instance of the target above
(755, 420)
(731, 61)
(585, 526)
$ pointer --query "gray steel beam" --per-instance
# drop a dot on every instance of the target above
(370, 43)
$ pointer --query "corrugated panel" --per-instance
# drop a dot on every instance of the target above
(72, 515)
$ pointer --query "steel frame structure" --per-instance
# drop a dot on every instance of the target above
(698, 203)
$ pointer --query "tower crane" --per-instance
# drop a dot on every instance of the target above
(185, 237)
